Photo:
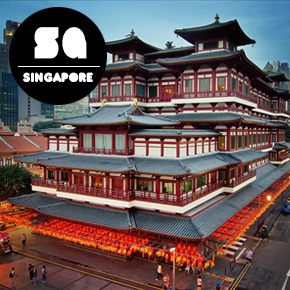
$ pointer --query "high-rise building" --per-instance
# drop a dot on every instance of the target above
(47, 110)
(8, 100)
(8, 32)
(73, 109)
(4, 64)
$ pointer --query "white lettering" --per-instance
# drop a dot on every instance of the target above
(45, 38)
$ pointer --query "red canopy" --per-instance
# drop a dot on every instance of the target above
(4, 237)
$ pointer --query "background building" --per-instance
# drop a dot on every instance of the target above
(77, 108)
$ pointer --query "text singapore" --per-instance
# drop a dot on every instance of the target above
(49, 77)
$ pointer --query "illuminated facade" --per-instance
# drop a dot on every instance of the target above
(180, 142)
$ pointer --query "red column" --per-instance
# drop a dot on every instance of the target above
(228, 139)
(67, 144)
(162, 146)
(57, 143)
(187, 146)
(127, 143)
(147, 146)
(47, 143)
(195, 147)
(177, 147)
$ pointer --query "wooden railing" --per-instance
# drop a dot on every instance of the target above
(279, 158)
(162, 198)
(102, 151)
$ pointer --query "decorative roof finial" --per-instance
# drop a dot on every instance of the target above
(135, 102)
(104, 103)
(132, 33)
(217, 18)
(269, 68)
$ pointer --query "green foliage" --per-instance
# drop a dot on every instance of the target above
(14, 180)
(169, 45)
(38, 126)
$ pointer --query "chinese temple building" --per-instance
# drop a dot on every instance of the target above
(181, 142)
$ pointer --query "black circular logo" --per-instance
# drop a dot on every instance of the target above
(58, 56)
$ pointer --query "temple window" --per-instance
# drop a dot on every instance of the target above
(145, 185)
(140, 91)
(210, 45)
(188, 86)
(115, 91)
(50, 174)
(254, 139)
(234, 84)
(120, 141)
(204, 85)
(259, 138)
(97, 182)
(246, 89)
(64, 176)
(167, 187)
(233, 142)
(117, 184)
(152, 91)
(239, 141)
(221, 143)
(187, 186)
(127, 90)
(104, 91)
(124, 56)
(267, 138)
(221, 83)
(232, 173)
(231, 47)
(245, 168)
(246, 141)
(201, 181)
(87, 140)
(103, 141)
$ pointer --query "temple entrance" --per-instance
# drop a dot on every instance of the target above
(167, 91)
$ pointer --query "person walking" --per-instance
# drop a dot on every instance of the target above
(218, 284)
(23, 239)
(159, 272)
(34, 277)
(199, 282)
(43, 272)
(13, 275)
(31, 272)
(249, 255)
(165, 284)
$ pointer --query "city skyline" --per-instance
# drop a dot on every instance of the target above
(264, 21)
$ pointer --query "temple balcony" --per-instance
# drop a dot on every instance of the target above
(262, 147)
(102, 151)
(142, 199)
(280, 159)
(185, 98)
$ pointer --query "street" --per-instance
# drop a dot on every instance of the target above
(271, 260)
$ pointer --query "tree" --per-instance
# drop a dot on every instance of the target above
(38, 126)
(169, 45)
(14, 180)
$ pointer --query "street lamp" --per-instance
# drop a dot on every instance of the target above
(173, 250)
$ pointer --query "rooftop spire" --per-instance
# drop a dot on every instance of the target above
(217, 18)
(132, 32)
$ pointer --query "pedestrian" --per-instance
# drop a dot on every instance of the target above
(199, 282)
(31, 272)
(218, 284)
(23, 239)
(12, 275)
(34, 277)
(249, 255)
(159, 272)
(43, 272)
(165, 284)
